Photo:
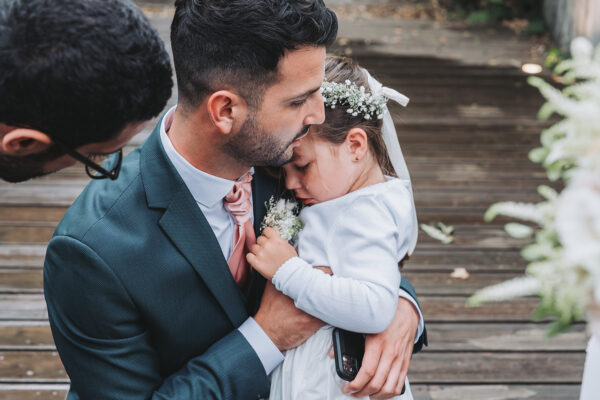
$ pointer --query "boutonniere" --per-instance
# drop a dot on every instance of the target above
(282, 215)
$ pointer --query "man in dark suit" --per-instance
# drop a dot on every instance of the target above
(141, 299)
(78, 78)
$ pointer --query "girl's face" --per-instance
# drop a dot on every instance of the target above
(320, 170)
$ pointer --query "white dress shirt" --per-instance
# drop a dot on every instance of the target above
(209, 192)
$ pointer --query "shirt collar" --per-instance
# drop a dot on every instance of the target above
(208, 190)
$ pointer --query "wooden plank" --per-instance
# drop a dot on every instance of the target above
(17, 280)
(439, 256)
(31, 366)
(32, 233)
(454, 308)
(420, 392)
(494, 392)
(22, 256)
(514, 368)
(33, 391)
(23, 307)
(502, 337)
(462, 367)
(25, 335)
(442, 283)
(37, 214)
(435, 309)
(446, 258)
(505, 337)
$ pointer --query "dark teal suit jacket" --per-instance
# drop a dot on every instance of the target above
(140, 298)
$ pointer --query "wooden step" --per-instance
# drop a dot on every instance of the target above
(448, 336)
(494, 392)
(459, 367)
(420, 392)
(435, 309)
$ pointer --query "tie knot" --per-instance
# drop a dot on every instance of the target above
(237, 201)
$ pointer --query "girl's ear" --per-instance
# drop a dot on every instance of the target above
(357, 143)
(24, 142)
(227, 111)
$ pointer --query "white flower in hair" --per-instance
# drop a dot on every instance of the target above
(357, 99)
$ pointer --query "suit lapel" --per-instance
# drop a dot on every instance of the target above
(187, 228)
(263, 187)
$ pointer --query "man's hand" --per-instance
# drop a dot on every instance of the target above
(285, 325)
(269, 253)
(387, 356)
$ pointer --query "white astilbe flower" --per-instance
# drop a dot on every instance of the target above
(439, 231)
(517, 287)
(523, 211)
(564, 259)
(282, 215)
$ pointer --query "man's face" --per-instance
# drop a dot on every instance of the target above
(18, 169)
(289, 107)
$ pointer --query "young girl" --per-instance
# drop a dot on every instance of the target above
(360, 222)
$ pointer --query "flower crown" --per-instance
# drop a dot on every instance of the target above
(358, 100)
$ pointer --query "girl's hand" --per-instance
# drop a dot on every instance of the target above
(269, 253)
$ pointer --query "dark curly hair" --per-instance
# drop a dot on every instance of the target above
(80, 70)
(237, 44)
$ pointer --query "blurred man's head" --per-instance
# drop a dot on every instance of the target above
(265, 55)
(77, 75)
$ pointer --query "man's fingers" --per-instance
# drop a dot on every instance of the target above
(391, 387)
(261, 240)
(378, 380)
(366, 372)
(402, 376)
(331, 354)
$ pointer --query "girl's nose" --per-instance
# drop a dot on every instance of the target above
(291, 181)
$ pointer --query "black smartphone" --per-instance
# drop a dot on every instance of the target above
(348, 350)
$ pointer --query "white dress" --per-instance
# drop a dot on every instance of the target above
(361, 236)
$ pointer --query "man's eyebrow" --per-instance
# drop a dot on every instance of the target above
(306, 94)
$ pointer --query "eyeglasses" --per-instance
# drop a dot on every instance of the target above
(110, 168)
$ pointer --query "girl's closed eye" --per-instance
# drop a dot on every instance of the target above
(301, 167)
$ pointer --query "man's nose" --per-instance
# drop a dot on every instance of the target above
(316, 116)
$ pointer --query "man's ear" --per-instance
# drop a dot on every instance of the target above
(357, 143)
(24, 142)
(227, 111)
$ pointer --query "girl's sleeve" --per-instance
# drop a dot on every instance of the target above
(363, 246)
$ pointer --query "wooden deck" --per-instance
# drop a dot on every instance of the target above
(466, 135)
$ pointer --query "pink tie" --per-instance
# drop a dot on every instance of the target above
(237, 203)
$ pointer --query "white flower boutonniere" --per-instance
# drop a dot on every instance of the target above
(282, 215)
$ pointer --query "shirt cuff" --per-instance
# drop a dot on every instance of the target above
(404, 294)
(265, 349)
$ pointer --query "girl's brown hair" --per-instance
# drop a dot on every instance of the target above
(338, 122)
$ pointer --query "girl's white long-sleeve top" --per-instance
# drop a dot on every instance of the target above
(361, 236)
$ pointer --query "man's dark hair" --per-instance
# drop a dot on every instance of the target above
(80, 70)
(237, 44)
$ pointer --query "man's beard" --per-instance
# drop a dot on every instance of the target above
(18, 169)
(255, 147)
